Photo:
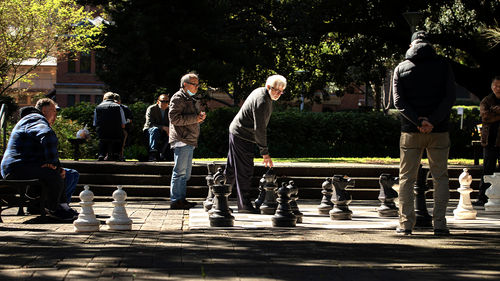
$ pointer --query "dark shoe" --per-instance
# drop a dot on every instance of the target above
(74, 212)
(101, 158)
(401, 231)
(192, 204)
(444, 231)
(478, 203)
(249, 211)
(152, 157)
(115, 157)
(62, 214)
(179, 205)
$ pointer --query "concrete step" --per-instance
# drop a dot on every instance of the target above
(152, 179)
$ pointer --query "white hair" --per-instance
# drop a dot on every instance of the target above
(276, 81)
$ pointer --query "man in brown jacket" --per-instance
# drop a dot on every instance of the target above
(183, 138)
(490, 115)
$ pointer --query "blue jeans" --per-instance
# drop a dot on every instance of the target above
(153, 135)
(72, 177)
(183, 158)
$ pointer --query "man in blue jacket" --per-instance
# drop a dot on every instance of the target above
(32, 154)
(424, 93)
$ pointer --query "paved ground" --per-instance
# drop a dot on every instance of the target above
(169, 244)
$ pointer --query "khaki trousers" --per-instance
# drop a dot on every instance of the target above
(412, 146)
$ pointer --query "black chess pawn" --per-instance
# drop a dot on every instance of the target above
(341, 198)
(326, 204)
(270, 204)
(221, 215)
(294, 191)
(420, 189)
(387, 196)
(284, 216)
(262, 192)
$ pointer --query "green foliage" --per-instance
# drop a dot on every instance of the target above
(66, 129)
(309, 134)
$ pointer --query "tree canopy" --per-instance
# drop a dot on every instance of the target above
(318, 45)
(36, 29)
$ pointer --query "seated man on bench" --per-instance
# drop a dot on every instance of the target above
(156, 130)
(32, 154)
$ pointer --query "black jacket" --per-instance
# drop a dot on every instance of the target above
(424, 86)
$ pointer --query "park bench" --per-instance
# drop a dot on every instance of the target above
(13, 194)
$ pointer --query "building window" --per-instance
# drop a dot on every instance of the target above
(84, 98)
(71, 100)
(98, 99)
(72, 62)
(84, 62)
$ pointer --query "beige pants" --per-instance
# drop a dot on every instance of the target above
(412, 146)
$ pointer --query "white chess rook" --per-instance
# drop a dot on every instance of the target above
(493, 193)
(119, 219)
(465, 210)
(86, 221)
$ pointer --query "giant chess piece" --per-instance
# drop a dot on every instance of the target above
(221, 215)
(119, 219)
(86, 221)
(387, 196)
(465, 210)
(262, 192)
(294, 191)
(218, 177)
(284, 216)
(420, 189)
(270, 204)
(341, 198)
(207, 205)
(326, 204)
(493, 193)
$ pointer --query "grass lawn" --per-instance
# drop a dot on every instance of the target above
(367, 160)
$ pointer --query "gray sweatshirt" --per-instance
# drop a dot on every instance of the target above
(251, 121)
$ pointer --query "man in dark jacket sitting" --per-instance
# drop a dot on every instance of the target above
(424, 93)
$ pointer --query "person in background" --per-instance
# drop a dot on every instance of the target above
(424, 93)
(109, 120)
(249, 127)
(156, 129)
(183, 138)
(490, 116)
(129, 117)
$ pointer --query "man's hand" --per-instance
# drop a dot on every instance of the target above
(267, 161)
(50, 166)
(201, 116)
(165, 128)
(426, 125)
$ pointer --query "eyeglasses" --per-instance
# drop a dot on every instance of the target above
(278, 91)
(196, 85)
(164, 101)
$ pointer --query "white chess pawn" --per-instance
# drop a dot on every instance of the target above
(86, 221)
(465, 210)
(119, 219)
(493, 193)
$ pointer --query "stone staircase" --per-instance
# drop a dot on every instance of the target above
(152, 179)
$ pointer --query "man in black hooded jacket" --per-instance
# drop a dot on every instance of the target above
(424, 93)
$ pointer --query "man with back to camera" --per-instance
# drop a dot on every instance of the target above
(156, 129)
(32, 154)
(249, 127)
(109, 120)
(183, 138)
(424, 93)
(490, 116)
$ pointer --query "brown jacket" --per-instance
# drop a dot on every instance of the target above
(489, 117)
(154, 119)
(183, 117)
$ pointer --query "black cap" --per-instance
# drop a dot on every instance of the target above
(419, 35)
